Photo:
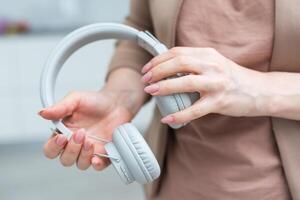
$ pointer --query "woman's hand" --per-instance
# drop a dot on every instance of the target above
(224, 86)
(94, 113)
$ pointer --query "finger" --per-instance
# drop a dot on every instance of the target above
(72, 150)
(175, 51)
(156, 60)
(203, 53)
(188, 83)
(86, 154)
(63, 108)
(99, 163)
(197, 110)
(54, 145)
(179, 64)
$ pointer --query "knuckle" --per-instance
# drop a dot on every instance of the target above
(165, 86)
(183, 60)
(195, 113)
(220, 84)
(154, 61)
(156, 71)
(230, 85)
(192, 81)
(217, 68)
(224, 84)
(176, 51)
(221, 103)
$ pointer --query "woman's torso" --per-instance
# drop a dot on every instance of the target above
(221, 157)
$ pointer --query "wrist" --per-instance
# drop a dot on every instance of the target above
(125, 87)
(124, 99)
(270, 97)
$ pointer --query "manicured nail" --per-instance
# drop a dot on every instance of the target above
(95, 161)
(79, 136)
(41, 111)
(152, 88)
(167, 119)
(87, 145)
(147, 77)
(146, 67)
(61, 140)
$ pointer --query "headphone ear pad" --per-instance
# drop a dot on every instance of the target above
(136, 159)
(143, 150)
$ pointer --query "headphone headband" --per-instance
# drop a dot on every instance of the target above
(80, 38)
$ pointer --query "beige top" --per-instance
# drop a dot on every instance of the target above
(221, 157)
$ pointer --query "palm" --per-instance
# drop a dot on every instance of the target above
(98, 114)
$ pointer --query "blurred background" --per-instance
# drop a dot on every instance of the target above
(29, 30)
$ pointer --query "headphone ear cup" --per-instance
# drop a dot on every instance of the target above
(186, 99)
(170, 104)
(143, 150)
(137, 161)
(167, 104)
(194, 96)
(118, 163)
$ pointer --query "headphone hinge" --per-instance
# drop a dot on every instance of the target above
(147, 41)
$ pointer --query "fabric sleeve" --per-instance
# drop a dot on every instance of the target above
(128, 54)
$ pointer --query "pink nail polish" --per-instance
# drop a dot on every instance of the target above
(87, 145)
(147, 77)
(79, 136)
(41, 111)
(61, 140)
(95, 161)
(146, 67)
(151, 88)
(167, 119)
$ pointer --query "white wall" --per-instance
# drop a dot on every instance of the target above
(48, 13)
(21, 61)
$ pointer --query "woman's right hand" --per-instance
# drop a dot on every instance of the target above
(94, 113)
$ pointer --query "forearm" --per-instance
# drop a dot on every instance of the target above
(126, 84)
(282, 94)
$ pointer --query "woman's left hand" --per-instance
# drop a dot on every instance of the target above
(225, 87)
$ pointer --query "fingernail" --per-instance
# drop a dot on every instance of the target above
(146, 67)
(167, 119)
(79, 136)
(152, 88)
(87, 145)
(95, 161)
(147, 77)
(61, 140)
(41, 111)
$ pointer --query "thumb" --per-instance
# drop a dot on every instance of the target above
(62, 109)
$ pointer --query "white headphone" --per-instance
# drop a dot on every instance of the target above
(128, 151)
